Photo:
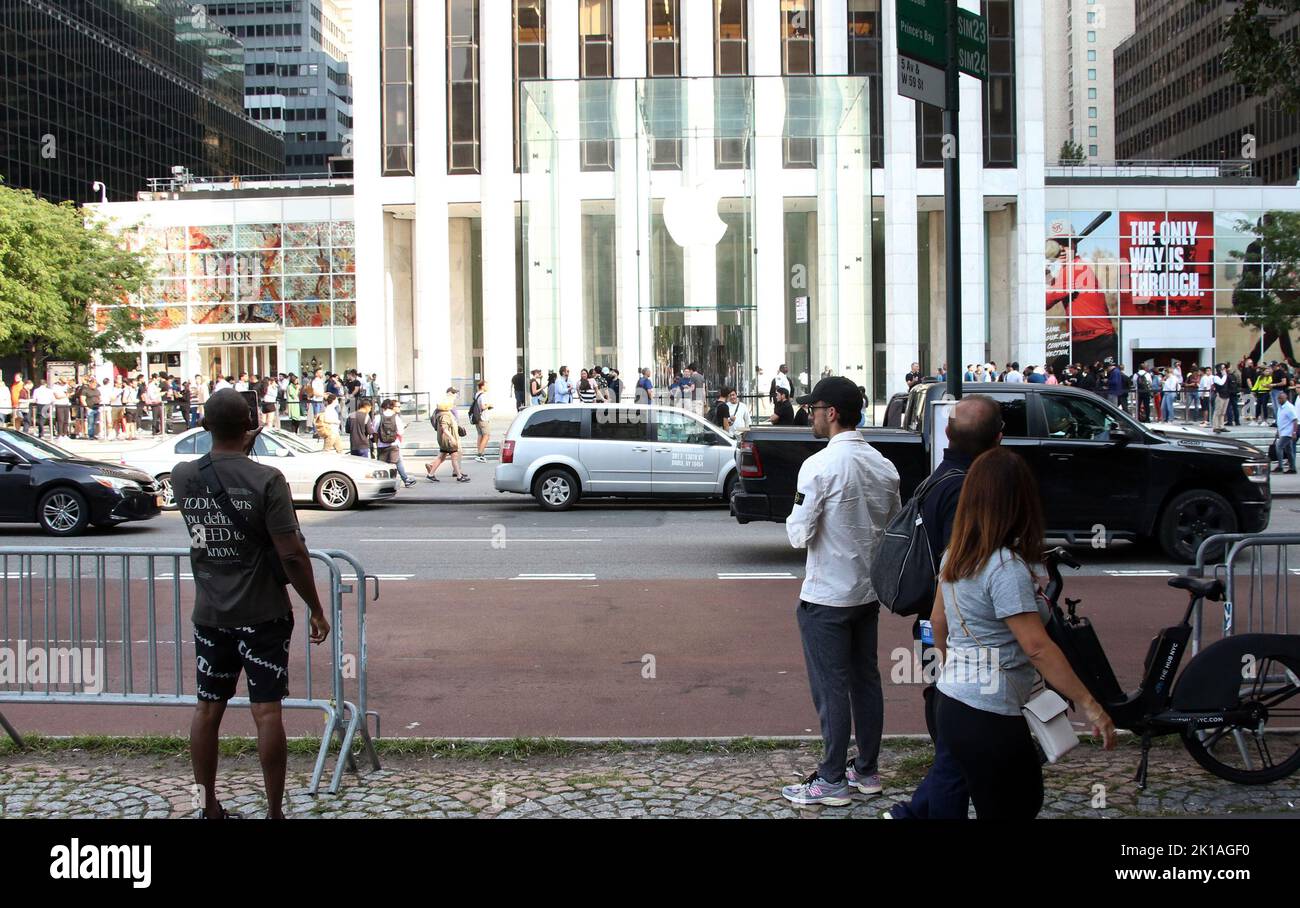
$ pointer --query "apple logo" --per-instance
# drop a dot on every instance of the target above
(691, 215)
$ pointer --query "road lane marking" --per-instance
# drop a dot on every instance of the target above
(756, 575)
(1155, 573)
(498, 540)
(556, 577)
(393, 576)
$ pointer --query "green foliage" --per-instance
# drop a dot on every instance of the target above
(1264, 64)
(56, 263)
(1268, 295)
(1071, 152)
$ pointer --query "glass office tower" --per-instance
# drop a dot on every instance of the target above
(118, 91)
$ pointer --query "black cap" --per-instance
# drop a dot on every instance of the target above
(837, 391)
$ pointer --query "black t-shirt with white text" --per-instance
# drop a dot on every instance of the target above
(235, 584)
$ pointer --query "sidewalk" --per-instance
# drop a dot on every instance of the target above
(739, 779)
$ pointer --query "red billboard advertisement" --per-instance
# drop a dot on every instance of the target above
(1166, 263)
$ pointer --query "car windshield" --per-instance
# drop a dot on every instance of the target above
(289, 441)
(32, 447)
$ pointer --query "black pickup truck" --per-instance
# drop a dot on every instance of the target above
(1101, 474)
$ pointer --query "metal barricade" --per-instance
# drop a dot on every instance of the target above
(1255, 570)
(82, 609)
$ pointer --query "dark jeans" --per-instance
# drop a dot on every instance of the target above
(1234, 415)
(942, 794)
(997, 758)
(839, 649)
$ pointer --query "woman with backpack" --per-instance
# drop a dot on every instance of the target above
(328, 424)
(991, 623)
(449, 433)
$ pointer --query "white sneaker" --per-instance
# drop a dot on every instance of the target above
(480, 458)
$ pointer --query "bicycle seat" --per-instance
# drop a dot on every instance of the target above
(1202, 587)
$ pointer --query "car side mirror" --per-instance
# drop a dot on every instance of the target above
(8, 457)
(283, 452)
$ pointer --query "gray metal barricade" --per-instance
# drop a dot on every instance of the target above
(79, 605)
(1256, 569)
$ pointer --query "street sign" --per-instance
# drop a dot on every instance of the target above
(923, 35)
(972, 44)
(921, 81)
(801, 310)
(922, 31)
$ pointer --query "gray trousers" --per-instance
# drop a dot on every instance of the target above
(839, 649)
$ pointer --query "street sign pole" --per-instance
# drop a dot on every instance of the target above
(952, 207)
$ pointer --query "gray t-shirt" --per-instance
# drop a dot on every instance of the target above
(235, 585)
(993, 674)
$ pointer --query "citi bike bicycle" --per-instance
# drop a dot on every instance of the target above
(1236, 705)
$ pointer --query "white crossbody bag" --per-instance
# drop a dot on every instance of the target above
(1045, 713)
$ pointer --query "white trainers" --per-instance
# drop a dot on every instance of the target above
(868, 785)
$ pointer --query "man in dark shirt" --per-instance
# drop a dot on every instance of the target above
(974, 426)
(242, 616)
(913, 376)
(782, 410)
(359, 430)
(519, 384)
(720, 413)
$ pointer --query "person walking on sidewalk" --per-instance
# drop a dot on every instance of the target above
(388, 429)
(974, 426)
(449, 432)
(1287, 427)
(478, 416)
(991, 624)
(359, 433)
(328, 425)
(846, 495)
(243, 619)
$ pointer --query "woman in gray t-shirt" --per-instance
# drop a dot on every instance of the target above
(991, 635)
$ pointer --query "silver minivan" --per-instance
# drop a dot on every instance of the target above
(560, 453)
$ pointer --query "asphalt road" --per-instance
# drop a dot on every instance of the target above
(498, 619)
(423, 537)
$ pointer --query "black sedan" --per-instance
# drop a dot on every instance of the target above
(41, 483)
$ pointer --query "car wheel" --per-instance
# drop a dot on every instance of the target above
(556, 489)
(335, 492)
(1192, 517)
(63, 512)
(165, 491)
(729, 489)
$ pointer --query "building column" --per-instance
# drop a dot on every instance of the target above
(699, 260)
(974, 301)
(902, 286)
(631, 196)
(374, 301)
(1028, 310)
(430, 292)
(497, 195)
(771, 279)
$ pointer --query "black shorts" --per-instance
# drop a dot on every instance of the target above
(262, 651)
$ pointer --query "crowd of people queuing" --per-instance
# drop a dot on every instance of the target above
(129, 405)
(1215, 397)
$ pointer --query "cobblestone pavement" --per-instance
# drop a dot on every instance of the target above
(638, 782)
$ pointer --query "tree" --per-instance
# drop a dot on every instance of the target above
(1268, 295)
(57, 263)
(1266, 65)
(1071, 152)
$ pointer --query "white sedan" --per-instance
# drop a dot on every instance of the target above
(336, 482)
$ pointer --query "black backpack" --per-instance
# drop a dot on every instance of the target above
(905, 570)
(388, 429)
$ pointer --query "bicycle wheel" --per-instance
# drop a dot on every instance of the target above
(1257, 755)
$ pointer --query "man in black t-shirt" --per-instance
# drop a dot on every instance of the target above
(720, 414)
(914, 376)
(242, 616)
(782, 410)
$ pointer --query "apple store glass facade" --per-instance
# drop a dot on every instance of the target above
(685, 258)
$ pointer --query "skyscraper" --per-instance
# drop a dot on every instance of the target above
(1079, 39)
(296, 74)
(117, 92)
(1175, 100)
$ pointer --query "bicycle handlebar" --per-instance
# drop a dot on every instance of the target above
(1052, 560)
